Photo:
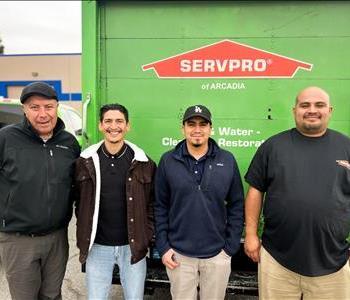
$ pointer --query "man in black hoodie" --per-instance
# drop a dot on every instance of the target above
(36, 167)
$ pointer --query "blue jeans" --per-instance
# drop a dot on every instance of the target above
(99, 272)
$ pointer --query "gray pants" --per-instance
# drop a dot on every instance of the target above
(34, 266)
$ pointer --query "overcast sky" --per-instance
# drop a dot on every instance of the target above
(30, 27)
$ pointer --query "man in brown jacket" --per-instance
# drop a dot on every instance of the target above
(114, 179)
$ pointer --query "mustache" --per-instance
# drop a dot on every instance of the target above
(311, 115)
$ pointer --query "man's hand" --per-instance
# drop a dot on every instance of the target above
(168, 259)
(253, 203)
(252, 247)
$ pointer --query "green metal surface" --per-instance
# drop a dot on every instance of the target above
(90, 69)
(121, 36)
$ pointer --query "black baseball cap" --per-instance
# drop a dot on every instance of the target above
(197, 111)
(38, 88)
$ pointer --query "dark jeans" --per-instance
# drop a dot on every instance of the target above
(34, 266)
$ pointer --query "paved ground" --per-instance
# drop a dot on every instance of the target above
(74, 285)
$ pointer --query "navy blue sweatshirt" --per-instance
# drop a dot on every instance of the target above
(198, 219)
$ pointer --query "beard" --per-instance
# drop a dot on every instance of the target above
(313, 128)
(196, 145)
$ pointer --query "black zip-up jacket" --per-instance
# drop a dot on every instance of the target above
(36, 179)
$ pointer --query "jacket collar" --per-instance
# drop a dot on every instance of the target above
(139, 154)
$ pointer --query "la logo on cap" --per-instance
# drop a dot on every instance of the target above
(197, 109)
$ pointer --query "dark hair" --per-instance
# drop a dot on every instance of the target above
(114, 106)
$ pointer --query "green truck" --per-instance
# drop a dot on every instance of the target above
(245, 60)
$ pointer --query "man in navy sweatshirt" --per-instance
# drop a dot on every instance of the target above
(198, 211)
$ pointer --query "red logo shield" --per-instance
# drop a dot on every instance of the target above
(227, 59)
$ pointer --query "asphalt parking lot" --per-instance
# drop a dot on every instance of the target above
(74, 285)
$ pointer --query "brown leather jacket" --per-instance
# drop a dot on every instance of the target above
(139, 197)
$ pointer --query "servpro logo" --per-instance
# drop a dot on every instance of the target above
(227, 59)
(217, 65)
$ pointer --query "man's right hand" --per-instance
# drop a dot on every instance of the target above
(168, 259)
(252, 247)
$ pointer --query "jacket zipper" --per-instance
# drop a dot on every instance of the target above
(48, 154)
(6, 210)
(207, 174)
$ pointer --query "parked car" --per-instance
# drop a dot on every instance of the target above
(11, 112)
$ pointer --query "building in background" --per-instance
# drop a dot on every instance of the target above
(62, 71)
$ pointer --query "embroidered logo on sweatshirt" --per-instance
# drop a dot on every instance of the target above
(343, 163)
(62, 147)
(220, 164)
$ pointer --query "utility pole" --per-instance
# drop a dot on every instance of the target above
(2, 47)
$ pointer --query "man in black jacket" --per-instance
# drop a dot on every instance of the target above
(36, 167)
(198, 211)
